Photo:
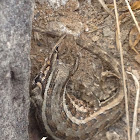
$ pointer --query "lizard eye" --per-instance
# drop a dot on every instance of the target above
(56, 49)
(36, 79)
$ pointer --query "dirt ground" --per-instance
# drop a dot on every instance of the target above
(89, 24)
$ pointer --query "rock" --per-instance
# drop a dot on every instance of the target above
(53, 3)
(108, 33)
(95, 38)
(15, 27)
(72, 5)
(73, 28)
(112, 135)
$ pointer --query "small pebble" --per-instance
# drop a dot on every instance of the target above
(95, 38)
(112, 136)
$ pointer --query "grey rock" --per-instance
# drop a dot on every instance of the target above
(15, 32)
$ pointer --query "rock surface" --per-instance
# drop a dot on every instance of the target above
(15, 32)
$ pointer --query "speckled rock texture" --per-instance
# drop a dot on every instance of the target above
(15, 34)
(53, 3)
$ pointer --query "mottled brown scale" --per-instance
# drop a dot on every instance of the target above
(92, 111)
(103, 125)
(85, 136)
(91, 135)
(84, 115)
(89, 124)
(49, 92)
(94, 132)
(52, 126)
(69, 123)
(101, 116)
(67, 99)
(78, 115)
(48, 115)
(93, 121)
(70, 106)
(72, 97)
(61, 135)
(82, 126)
(63, 115)
(75, 126)
(72, 138)
(76, 102)
(73, 111)
(48, 104)
(48, 111)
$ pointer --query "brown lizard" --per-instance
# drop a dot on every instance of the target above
(60, 114)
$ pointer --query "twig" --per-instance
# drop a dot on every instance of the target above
(105, 7)
(123, 72)
(138, 110)
(136, 105)
(132, 14)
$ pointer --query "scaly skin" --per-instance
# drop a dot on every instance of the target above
(64, 117)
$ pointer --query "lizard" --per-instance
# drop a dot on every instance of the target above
(63, 116)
